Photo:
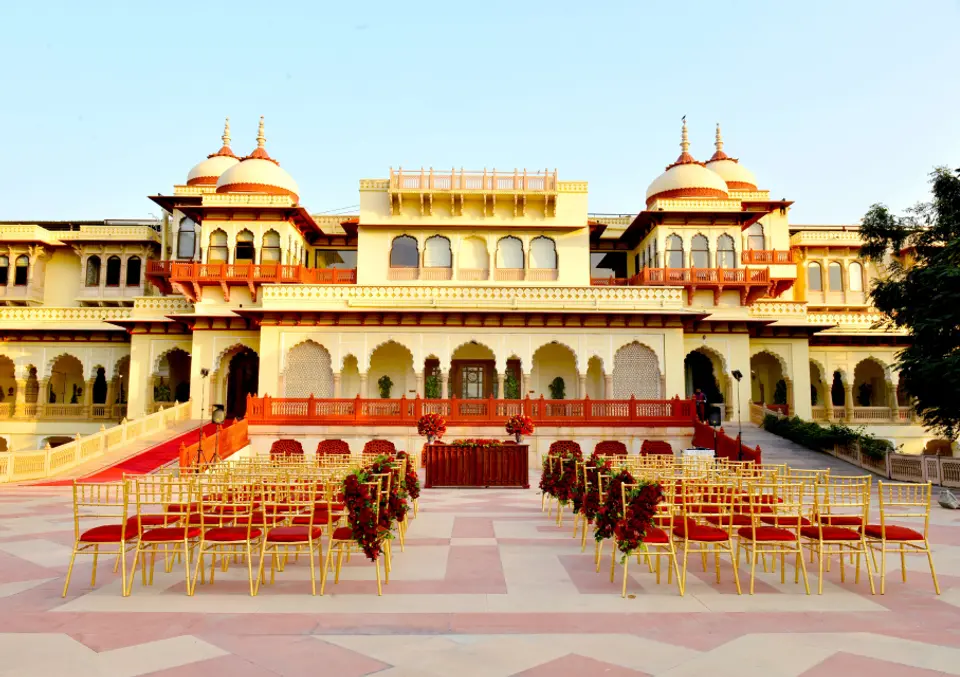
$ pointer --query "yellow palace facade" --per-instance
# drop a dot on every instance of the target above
(449, 290)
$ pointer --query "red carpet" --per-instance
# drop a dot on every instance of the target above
(145, 462)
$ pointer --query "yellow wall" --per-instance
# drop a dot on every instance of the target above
(63, 278)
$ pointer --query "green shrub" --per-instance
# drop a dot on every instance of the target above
(819, 438)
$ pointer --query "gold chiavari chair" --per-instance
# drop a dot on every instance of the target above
(659, 536)
(289, 502)
(166, 511)
(96, 502)
(777, 513)
(603, 480)
(901, 501)
(701, 499)
(341, 539)
(226, 517)
(837, 504)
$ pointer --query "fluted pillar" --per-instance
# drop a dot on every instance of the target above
(337, 387)
(892, 399)
(444, 385)
(501, 385)
(419, 376)
(581, 386)
(608, 386)
(848, 401)
(363, 386)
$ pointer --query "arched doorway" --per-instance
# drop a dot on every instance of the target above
(636, 372)
(473, 371)
(173, 382)
(121, 380)
(555, 372)
(767, 382)
(391, 372)
(837, 393)
(818, 395)
(350, 378)
(595, 378)
(100, 386)
(243, 375)
(700, 373)
(66, 381)
(870, 385)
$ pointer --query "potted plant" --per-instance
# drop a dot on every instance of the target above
(558, 389)
(518, 426)
(385, 384)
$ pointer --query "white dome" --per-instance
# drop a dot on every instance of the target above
(208, 171)
(688, 179)
(256, 175)
(736, 176)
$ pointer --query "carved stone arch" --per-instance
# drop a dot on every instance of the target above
(887, 370)
(307, 370)
(165, 353)
(636, 372)
(95, 368)
(118, 366)
(545, 342)
(821, 369)
(342, 361)
(471, 342)
(48, 367)
(365, 365)
(784, 365)
(229, 352)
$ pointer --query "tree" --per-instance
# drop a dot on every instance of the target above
(919, 291)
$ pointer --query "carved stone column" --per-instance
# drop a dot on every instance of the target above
(608, 386)
(791, 407)
(21, 394)
(363, 386)
(581, 386)
(444, 385)
(419, 376)
(501, 385)
(894, 404)
(337, 387)
(525, 380)
(848, 401)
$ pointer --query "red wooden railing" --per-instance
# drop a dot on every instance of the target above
(768, 256)
(689, 277)
(246, 273)
(228, 441)
(725, 446)
(487, 412)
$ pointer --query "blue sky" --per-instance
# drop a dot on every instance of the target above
(835, 105)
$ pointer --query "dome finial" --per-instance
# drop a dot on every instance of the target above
(719, 142)
(684, 138)
(261, 139)
(226, 132)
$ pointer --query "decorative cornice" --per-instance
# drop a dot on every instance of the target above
(54, 314)
(244, 200)
(836, 238)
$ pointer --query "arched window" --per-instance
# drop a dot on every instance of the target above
(404, 252)
(836, 276)
(509, 252)
(436, 252)
(4, 270)
(855, 277)
(674, 252)
(217, 251)
(186, 239)
(755, 238)
(270, 251)
(543, 253)
(93, 271)
(699, 252)
(21, 269)
(244, 250)
(113, 271)
(814, 277)
(726, 252)
(133, 271)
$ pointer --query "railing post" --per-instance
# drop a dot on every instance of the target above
(417, 407)
(403, 407)
(267, 412)
(491, 407)
(633, 407)
(76, 449)
(356, 408)
(586, 408)
(311, 406)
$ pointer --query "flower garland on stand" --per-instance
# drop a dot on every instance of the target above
(590, 503)
(393, 506)
(518, 426)
(412, 481)
(608, 514)
(361, 513)
(431, 426)
(476, 442)
(642, 502)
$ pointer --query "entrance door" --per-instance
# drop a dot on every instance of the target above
(473, 382)
(242, 380)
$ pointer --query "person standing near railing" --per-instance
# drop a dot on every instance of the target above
(701, 399)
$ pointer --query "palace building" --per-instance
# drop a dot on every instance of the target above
(471, 293)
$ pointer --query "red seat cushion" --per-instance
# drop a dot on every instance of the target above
(723, 520)
(293, 534)
(841, 520)
(227, 534)
(766, 534)
(784, 520)
(830, 533)
(655, 535)
(343, 534)
(168, 534)
(893, 532)
(701, 532)
(110, 533)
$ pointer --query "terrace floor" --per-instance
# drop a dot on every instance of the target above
(488, 586)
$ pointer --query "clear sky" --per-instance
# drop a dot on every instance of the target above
(835, 104)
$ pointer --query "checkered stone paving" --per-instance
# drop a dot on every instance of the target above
(488, 585)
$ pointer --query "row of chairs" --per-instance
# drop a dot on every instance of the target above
(722, 506)
(332, 447)
(251, 510)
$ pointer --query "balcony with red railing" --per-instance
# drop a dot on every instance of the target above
(485, 412)
(752, 282)
(768, 257)
(189, 278)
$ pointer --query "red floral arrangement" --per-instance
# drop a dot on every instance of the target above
(559, 475)
(586, 498)
(476, 442)
(519, 425)
(393, 505)
(432, 425)
(412, 481)
(361, 513)
(642, 502)
(608, 514)
(286, 448)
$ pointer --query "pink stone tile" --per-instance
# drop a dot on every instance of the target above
(14, 569)
(473, 527)
(297, 656)
(234, 666)
(843, 664)
(573, 665)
